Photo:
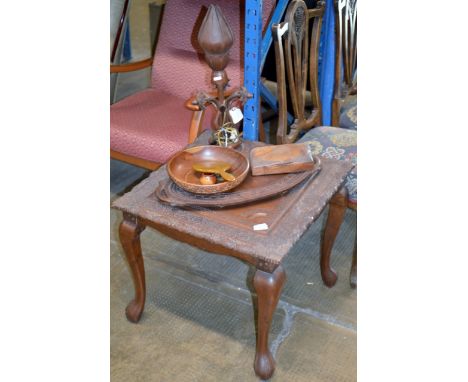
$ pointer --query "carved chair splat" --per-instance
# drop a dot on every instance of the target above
(345, 54)
(296, 62)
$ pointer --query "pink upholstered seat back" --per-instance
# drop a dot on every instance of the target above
(179, 67)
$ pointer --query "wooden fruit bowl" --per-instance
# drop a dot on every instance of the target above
(180, 170)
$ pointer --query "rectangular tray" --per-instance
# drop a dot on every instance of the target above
(281, 159)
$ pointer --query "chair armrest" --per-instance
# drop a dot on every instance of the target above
(196, 125)
(189, 104)
(123, 68)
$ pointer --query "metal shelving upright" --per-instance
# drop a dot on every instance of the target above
(255, 53)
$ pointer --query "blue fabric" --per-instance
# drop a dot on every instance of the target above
(327, 62)
(336, 143)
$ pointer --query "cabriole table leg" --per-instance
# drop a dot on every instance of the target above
(129, 232)
(336, 213)
(268, 288)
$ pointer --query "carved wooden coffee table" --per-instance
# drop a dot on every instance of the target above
(230, 232)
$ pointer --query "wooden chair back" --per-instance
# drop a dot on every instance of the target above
(297, 67)
(346, 53)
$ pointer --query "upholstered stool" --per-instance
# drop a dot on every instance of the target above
(339, 143)
(336, 143)
(348, 114)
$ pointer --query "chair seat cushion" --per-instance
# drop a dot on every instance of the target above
(348, 115)
(150, 125)
(336, 143)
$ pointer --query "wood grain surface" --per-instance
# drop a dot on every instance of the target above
(231, 231)
(281, 159)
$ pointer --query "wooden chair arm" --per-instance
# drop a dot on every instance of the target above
(189, 105)
(124, 68)
(196, 125)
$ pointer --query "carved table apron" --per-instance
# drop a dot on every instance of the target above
(230, 232)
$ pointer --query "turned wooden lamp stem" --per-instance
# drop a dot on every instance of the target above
(216, 39)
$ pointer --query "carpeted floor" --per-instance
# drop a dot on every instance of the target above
(198, 321)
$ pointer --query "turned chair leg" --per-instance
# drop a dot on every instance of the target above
(353, 274)
(261, 128)
(336, 213)
(268, 288)
(129, 232)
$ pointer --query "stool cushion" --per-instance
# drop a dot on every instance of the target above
(348, 115)
(336, 143)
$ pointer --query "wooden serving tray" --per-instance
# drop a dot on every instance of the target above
(254, 188)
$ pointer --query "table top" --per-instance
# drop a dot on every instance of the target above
(230, 231)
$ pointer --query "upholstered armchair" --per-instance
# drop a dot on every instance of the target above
(148, 127)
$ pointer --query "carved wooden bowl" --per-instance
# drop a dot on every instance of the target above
(180, 170)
